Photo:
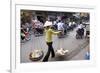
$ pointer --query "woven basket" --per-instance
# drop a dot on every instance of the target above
(36, 58)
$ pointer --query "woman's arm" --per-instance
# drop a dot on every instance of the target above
(55, 32)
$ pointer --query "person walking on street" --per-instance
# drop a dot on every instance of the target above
(60, 26)
(48, 36)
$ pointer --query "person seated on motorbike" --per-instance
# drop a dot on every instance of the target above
(80, 31)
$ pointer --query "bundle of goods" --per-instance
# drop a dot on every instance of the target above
(61, 52)
(36, 55)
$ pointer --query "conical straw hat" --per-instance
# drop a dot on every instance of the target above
(47, 23)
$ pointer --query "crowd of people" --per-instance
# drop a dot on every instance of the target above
(36, 27)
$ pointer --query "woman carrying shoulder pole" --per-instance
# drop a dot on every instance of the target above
(48, 37)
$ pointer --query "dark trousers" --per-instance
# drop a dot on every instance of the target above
(50, 50)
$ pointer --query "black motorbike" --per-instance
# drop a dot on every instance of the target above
(80, 33)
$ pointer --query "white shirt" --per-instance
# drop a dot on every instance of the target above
(60, 26)
(79, 26)
(70, 23)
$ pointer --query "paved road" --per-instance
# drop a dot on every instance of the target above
(81, 55)
(69, 42)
